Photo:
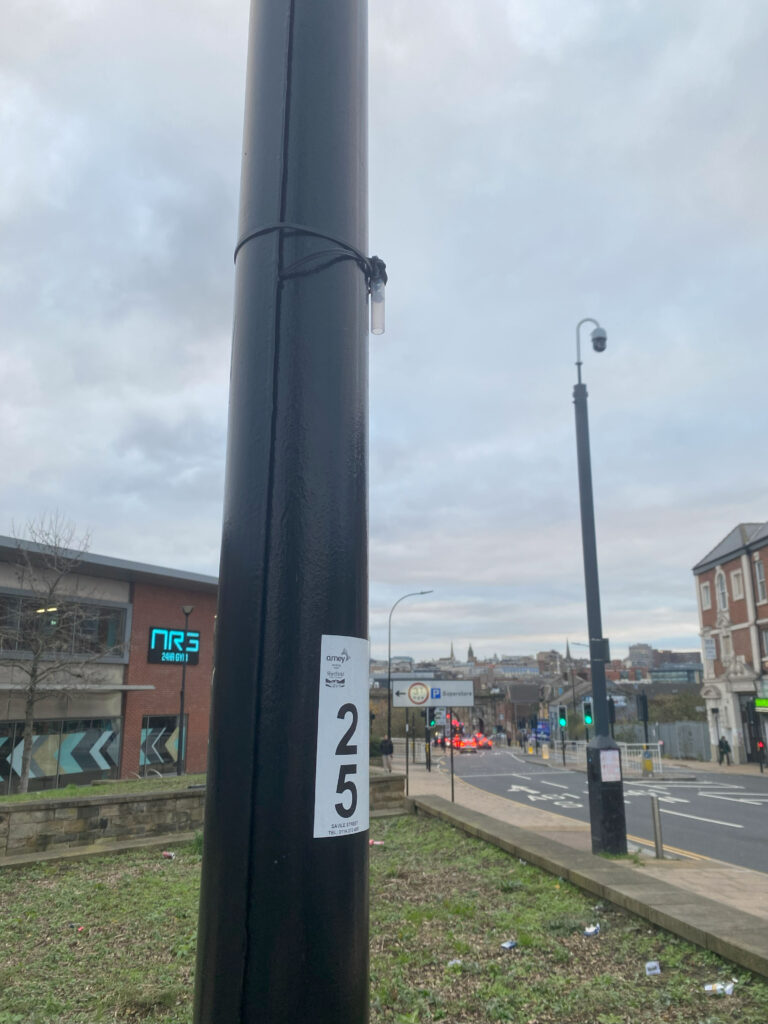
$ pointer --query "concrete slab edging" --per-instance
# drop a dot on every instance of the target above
(732, 934)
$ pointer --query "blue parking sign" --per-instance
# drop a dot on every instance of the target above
(436, 693)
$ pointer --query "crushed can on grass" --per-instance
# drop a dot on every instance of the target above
(375, 842)
(593, 929)
(509, 944)
(652, 967)
(169, 855)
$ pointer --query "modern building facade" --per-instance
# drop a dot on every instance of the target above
(115, 650)
(733, 620)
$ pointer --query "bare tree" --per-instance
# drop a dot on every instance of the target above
(49, 632)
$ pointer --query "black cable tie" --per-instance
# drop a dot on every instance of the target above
(300, 229)
(373, 268)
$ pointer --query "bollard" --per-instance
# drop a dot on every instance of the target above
(657, 828)
(647, 763)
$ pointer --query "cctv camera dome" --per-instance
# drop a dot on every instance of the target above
(599, 339)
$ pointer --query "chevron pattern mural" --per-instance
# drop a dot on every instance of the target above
(160, 741)
(64, 748)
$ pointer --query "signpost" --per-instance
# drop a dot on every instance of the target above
(455, 693)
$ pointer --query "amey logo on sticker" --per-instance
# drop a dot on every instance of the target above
(334, 671)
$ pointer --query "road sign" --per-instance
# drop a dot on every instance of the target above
(442, 693)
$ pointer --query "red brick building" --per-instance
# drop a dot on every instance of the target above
(733, 619)
(111, 707)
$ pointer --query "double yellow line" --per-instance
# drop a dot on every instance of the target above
(689, 854)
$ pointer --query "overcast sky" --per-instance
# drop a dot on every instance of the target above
(532, 162)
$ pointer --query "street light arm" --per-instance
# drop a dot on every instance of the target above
(415, 593)
(586, 320)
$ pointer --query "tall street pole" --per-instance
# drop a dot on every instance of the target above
(606, 790)
(181, 761)
(283, 930)
(416, 593)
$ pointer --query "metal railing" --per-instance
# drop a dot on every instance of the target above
(637, 760)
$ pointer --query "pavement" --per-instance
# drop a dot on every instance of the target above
(717, 905)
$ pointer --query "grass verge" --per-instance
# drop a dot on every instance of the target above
(112, 939)
(152, 784)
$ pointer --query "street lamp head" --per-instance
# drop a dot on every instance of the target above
(187, 609)
(599, 339)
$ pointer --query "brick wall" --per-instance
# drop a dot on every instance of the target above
(161, 606)
(38, 825)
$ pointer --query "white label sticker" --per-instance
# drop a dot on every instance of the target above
(610, 766)
(341, 772)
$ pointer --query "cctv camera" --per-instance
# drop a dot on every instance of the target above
(599, 339)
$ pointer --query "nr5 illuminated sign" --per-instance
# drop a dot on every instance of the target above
(173, 646)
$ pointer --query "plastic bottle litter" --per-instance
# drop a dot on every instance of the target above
(720, 988)
(652, 967)
(169, 855)
(593, 929)
(509, 944)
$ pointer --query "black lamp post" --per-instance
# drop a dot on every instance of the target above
(606, 789)
(181, 761)
(416, 593)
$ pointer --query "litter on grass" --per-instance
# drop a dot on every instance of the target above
(720, 988)
(594, 929)
(509, 944)
(652, 967)
(169, 855)
(375, 842)
(454, 963)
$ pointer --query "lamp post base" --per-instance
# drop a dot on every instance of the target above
(606, 796)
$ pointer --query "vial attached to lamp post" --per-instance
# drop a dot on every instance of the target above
(378, 284)
(606, 790)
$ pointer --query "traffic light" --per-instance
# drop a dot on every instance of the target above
(642, 707)
(562, 716)
(587, 712)
(431, 716)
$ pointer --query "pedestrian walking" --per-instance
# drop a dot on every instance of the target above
(724, 750)
(386, 753)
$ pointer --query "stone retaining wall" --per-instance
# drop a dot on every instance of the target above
(36, 825)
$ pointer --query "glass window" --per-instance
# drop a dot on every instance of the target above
(9, 622)
(764, 642)
(737, 585)
(706, 596)
(760, 577)
(26, 624)
(160, 743)
(722, 593)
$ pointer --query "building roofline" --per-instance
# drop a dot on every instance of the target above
(743, 538)
(103, 566)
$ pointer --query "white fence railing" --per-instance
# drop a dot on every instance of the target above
(637, 760)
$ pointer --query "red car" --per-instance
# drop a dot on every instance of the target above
(464, 743)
